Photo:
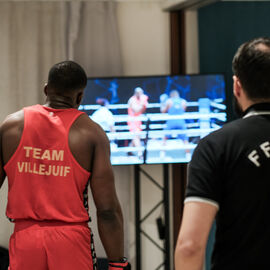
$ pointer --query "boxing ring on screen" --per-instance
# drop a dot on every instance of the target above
(158, 119)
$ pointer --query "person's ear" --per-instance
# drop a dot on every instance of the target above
(45, 90)
(237, 87)
(79, 98)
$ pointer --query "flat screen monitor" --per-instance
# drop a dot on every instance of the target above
(156, 119)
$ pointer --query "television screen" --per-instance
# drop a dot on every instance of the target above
(157, 119)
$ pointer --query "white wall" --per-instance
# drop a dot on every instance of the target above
(144, 37)
(192, 42)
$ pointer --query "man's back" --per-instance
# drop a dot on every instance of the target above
(82, 137)
(177, 106)
(238, 157)
(46, 182)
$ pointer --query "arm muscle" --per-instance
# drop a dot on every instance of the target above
(109, 214)
(192, 239)
(2, 172)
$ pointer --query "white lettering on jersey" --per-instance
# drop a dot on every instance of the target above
(253, 157)
(266, 148)
(40, 168)
(48, 154)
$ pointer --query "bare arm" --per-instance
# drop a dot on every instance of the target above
(109, 214)
(184, 104)
(192, 239)
(167, 106)
(2, 172)
(10, 134)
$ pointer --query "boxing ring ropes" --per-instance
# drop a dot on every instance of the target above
(154, 130)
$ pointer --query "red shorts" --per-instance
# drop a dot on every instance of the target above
(50, 246)
(135, 126)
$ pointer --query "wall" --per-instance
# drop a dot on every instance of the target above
(222, 28)
(144, 37)
(192, 42)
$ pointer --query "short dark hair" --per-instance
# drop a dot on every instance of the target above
(67, 77)
(251, 64)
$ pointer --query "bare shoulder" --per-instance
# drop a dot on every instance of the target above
(15, 117)
(11, 132)
(87, 142)
(13, 121)
(90, 129)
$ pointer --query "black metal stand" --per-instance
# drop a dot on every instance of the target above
(138, 215)
(167, 215)
(139, 220)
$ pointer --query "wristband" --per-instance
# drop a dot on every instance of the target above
(123, 264)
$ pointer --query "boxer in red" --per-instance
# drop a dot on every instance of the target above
(50, 153)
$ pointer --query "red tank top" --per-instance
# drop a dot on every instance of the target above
(45, 181)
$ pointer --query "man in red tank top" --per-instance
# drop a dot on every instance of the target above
(50, 153)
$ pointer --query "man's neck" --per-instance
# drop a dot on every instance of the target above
(57, 102)
(246, 104)
(249, 103)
